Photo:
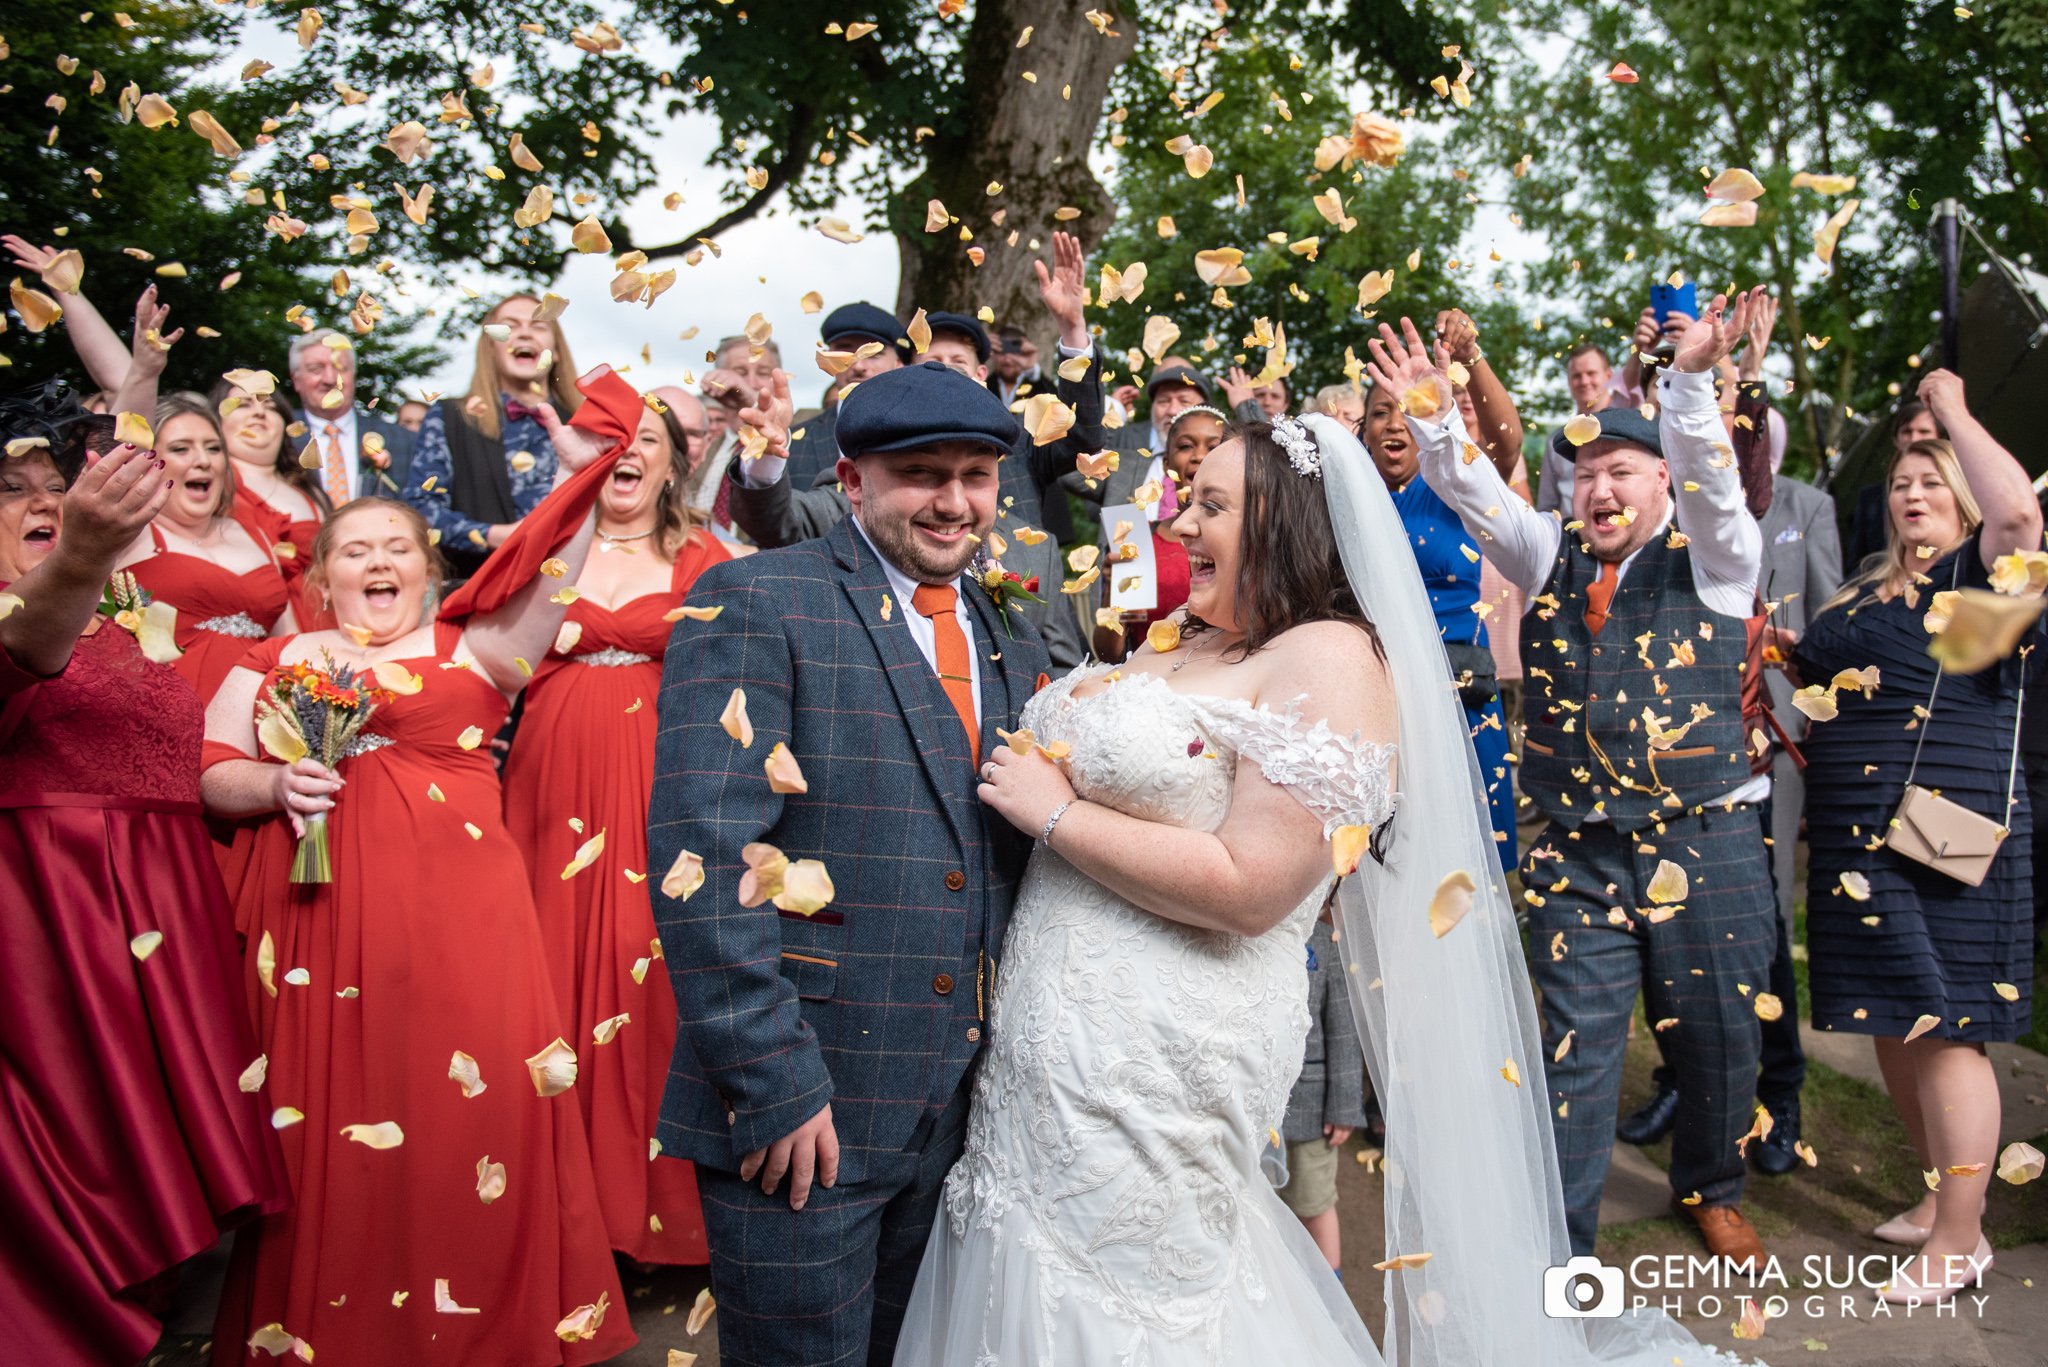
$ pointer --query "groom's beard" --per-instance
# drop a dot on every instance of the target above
(900, 545)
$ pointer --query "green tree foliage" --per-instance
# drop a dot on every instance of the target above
(1905, 98)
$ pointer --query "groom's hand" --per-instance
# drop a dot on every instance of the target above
(810, 1150)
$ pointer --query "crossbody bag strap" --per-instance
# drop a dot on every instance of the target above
(2019, 709)
(1954, 581)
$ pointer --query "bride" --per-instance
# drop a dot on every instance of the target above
(1149, 1016)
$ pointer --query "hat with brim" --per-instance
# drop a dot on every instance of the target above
(1177, 374)
(849, 325)
(961, 325)
(922, 405)
(1617, 423)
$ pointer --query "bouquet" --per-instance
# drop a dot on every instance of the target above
(1005, 588)
(154, 625)
(318, 713)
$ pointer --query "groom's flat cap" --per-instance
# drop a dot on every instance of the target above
(851, 324)
(922, 405)
(1619, 422)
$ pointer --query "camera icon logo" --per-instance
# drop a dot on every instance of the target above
(1583, 1289)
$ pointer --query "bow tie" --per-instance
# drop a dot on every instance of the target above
(514, 410)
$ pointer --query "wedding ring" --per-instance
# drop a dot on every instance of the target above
(988, 772)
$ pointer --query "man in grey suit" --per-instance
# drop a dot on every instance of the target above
(361, 453)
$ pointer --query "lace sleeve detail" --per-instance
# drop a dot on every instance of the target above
(1342, 779)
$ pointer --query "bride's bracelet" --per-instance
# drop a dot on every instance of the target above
(1045, 836)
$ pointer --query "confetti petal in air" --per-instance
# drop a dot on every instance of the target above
(444, 1301)
(553, 1068)
(385, 1134)
(784, 774)
(1822, 183)
(1668, 884)
(490, 1180)
(684, 876)
(700, 1313)
(1824, 240)
(2020, 1163)
(463, 1070)
(586, 855)
(1735, 186)
(37, 310)
(1451, 902)
(734, 719)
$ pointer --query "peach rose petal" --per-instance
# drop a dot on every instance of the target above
(806, 888)
(1046, 418)
(1668, 884)
(1373, 287)
(1348, 845)
(385, 1134)
(700, 1313)
(1581, 428)
(586, 855)
(553, 1068)
(1855, 886)
(275, 1340)
(1922, 1026)
(1403, 1262)
(266, 963)
(583, 1322)
(1742, 215)
(1831, 231)
(463, 1070)
(1822, 183)
(1735, 186)
(684, 876)
(146, 944)
(490, 1180)
(444, 1301)
(734, 719)
(607, 1030)
(254, 1076)
(1451, 902)
(284, 1117)
(471, 737)
(784, 774)
(2020, 1163)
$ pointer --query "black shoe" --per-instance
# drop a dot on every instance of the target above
(1773, 1155)
(1657, 1118)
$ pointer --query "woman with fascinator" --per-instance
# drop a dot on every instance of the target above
(1148, 1014)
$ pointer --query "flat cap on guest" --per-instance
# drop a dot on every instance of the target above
(922, 405)
(851, 324)
(1618, 423)
(965, 326)
(1179, 375)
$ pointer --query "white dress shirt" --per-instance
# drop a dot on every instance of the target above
(348, 430)
(921, 629)
(1706, 491)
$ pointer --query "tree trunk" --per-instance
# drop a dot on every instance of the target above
(1028, 137)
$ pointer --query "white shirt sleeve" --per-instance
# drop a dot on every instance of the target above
(1521, 542)
(759, 474)
(1706, 491)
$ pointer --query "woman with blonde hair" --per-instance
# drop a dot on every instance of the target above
(222, 578)
(585, 752)
(1932, 965)
(277, 500)
(484, 461)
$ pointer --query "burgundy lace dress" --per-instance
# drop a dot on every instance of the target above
(127, 1140)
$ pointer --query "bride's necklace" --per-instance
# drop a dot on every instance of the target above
(1188, 658)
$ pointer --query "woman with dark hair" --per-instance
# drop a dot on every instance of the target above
(195, 557)
(406, 1007)
(1931, 965)
(277, 500)
(585, 752)
(135, 1123)
(484, 461)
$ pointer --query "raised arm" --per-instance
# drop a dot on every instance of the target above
(107, 505)
(1520, 541)
(2012, 515)
(149, 351)
(1500, 426)
(1706, 486)
(738, 1014)
(98, 346)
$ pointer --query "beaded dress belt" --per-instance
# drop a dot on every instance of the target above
(611, 657)
(364, 743)
(237, 624)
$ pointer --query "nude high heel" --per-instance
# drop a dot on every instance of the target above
(1903, 1289)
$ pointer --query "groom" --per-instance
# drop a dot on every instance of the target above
(823, 1060)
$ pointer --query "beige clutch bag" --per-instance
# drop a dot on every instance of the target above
(1945, 836)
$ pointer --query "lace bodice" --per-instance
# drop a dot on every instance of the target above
(1136, 1065)
(111, 724)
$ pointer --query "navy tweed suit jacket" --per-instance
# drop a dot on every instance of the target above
(871, 1004)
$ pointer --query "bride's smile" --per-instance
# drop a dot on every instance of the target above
(1211, 528)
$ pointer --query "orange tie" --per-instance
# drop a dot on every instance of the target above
(334, 468)
(937, 601)
(1599, 594)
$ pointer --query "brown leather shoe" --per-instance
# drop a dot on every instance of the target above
(1726, 1234)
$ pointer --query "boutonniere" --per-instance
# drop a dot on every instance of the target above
(153, 625)
(1043, 682)
(1003, 586)
(379, 458)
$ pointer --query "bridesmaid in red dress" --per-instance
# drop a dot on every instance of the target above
(411, 995)
(585, 751)
(278, 501)
(197, 558)
(133, 1121)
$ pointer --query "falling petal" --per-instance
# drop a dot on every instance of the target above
(784, 774)
(1451, 902)
(1741, 215)
(806, 888)
(1347, 845)
(1046, 418)
(1581, 428)
(1403, 1262)
(582, 1322)
(490, 1180)
(37, 310)
(589, 236)
(1222, 266)
(1830, 231)
(1373, 287)
(684, 876)
(2020, 1163)
(1735, 186)
(146, 944)
(607, 1030)
(284, 1117)
(700, 1313)
(383, 1135)
(734, 719)
(553, 1068)
(1822, 183)
(586, 855)
(1668, 884)
(471, 737)
(274, 1339)
(1855, 885)
(1509, 1071)
(463, 1069)
(1817, 703)
(1922, 1026)
(1983, 628)
(444, 1303)
(254, 1076)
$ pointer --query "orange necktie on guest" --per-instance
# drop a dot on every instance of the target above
(937, 602)
(1599, 594)
(333, 467)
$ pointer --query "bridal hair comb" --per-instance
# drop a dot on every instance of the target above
(1301, 449)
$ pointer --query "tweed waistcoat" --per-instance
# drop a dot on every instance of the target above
(1644, 721)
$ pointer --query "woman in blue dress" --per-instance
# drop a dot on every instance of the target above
(1446, 555)
(1930, 966)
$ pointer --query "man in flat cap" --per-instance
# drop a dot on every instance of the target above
(850, 327)
(825, 1053)
(1652, 874)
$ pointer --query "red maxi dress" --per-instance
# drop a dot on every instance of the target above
(586, 750)
(291, 547)
(424, 947)
(220, 613)
(127, 1138)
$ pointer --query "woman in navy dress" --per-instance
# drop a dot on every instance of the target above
(1445, 553)
(1923, 954)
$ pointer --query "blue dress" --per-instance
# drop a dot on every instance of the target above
(1924, 944)
(1449, 562)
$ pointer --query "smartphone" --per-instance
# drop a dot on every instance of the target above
(1663, 299)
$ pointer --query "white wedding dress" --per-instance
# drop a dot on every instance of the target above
(1109, 1207)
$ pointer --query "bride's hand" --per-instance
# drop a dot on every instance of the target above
(1023, 789)
(1403, 366)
